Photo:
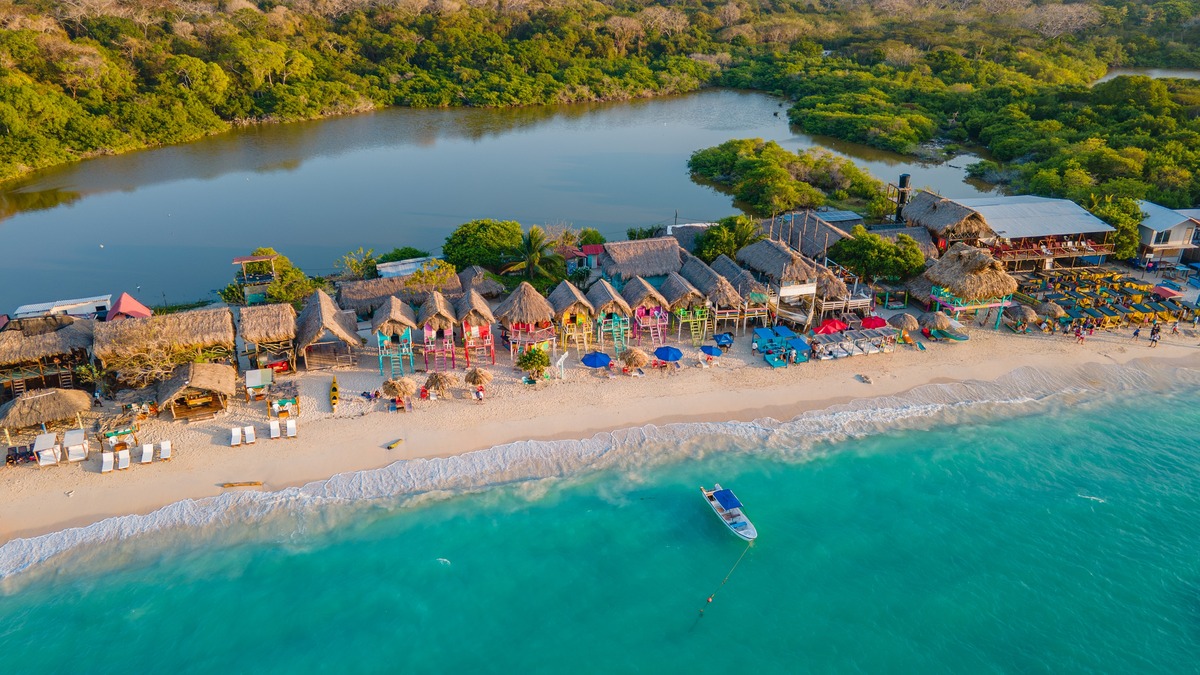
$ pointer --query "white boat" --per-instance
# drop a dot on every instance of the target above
(729, 510)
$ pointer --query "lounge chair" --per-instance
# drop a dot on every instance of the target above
(276, 434)
(235, 437)
(291, 428)
(164, 451)
(106, 462)
(147, 453)
(123, 460)
(248, 432)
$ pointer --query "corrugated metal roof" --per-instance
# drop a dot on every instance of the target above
(839, 216)
(1194, 214)
(1022, 216)
(1160, 218)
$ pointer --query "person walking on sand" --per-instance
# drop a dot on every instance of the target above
(1175, 328)
(1137, 333)
(1154, 340)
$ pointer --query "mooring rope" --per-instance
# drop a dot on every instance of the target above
(726, 579)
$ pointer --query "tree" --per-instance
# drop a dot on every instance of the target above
(727, 237)
(534, 361)
(871, 256)
(589, 236)
(635, 233)
(430, 276)
(291, 284)
(1125, 214)
(482, 242)
(402, 253)
(535, 256)
(358, 264)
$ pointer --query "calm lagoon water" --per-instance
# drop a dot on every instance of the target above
(1013, 533)
(168, 220)
(1152, 72)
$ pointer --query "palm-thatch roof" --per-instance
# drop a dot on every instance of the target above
(477, 377)
(43, 406)
(477, 278)
(921, 235)
(1051, 310)
(715, 287)
(971, 274)
(919, 288)
(393, 317)
(524, 305)
(321, 314)
(945, 218)
(440, 383)
(606, 300)
(1022, 313)
(679, 293)
(210, 377)
(24, 341)
(685, 234)
(197, 329)
(639, 293)
(267, 323)
(740, 278)
(634, 357)
(567, 299)
(776, 261)
(401, 387)
(472, 309)
(934, 321)
(829, 285)
(641, 257)
(436, 312)
(364, 297)
(904, 321)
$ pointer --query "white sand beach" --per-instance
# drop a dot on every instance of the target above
(742, 387)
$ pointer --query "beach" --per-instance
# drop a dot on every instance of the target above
(740, 388)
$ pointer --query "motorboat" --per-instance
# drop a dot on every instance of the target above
(727, 507)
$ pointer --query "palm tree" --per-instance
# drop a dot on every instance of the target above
(743, 231)
(535, 256)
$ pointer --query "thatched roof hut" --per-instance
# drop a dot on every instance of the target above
(42, 406)
(679, 293)
(810, 234)
(829, 285)
(393, 317)
(641, 257)
(365, 296)
(525, 306)
(971, 274)
(473, 310)
(436, 313)
(566, 299)
(740, 278)
(1051, 310)
(26, 340)
(606, 300)
(934, 321)
(321, 315)
(919, 288)
(1022, 313)
(919, 234)
(904, 321)
(475, 277)
(777, 262)
(215, 378)
(685, 234)
(945, 218)
(260, 324)
(639, 293)
(402, 387)
(715, 287)
(197, 329)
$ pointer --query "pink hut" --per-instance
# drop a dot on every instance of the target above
(436, 321)
(475, 318)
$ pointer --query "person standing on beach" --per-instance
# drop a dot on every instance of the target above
(1137, 333)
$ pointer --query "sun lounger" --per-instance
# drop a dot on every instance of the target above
(276, 434)
(122, 460)
(147, 453)
(248, 432)
(235, 437)
(106, 462)
(164, 451)
(291, 428)
(76, 445)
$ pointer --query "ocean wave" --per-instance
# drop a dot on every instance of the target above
(409, 483)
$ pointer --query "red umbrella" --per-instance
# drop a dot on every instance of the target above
(874, 322)
(830, 327)
(1166, 293)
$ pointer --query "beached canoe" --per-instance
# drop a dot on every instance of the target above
(729, 510)
(333, 395)
(244, 483)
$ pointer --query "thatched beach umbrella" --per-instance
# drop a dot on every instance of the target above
(43, 406)
(934, 321)
(971, 274)
(477, 377)
(679, 293)
(1021, 313)
(904, 321)
(525, 306)
(1051, 310)
(634, 357)
(399, 388)
(440, 383)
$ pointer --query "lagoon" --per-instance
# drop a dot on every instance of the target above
(1155, 73)
(164, 223)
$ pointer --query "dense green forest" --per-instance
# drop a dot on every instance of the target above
(87, 77)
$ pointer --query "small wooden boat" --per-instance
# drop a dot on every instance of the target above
(245, 483)
(729, 510)
(333, 395)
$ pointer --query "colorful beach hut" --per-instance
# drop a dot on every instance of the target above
(688, 305)
(573, 315)
(366, 296)
(436, 321)
(968, 279)
(475, 318)
(527, 320)
(393, 325)
(650, 310)
(268, 335)
(612, 315)
(724, 302)
(326, 336)
(755, 295)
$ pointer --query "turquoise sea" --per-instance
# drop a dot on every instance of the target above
(1035, 525)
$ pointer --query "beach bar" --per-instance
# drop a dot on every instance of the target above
(197, 391)
(325, 335)
(966, 280)
(41, 352)
(268, 335)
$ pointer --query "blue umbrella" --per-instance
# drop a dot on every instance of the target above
(669, 354)
(596, 360)
(711, 350)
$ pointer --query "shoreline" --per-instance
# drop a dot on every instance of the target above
(38, 502)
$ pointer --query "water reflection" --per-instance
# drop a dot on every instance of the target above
(1151, 72)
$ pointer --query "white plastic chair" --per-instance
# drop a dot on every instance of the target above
(235, 437)
(123, 460)
(249, 434)
(164, 451)
(291, 428)
(147, 453)
(106, 462)
(275, 432)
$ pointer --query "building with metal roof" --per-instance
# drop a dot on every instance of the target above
(1164, 234)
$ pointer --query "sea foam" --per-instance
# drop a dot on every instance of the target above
(408, 483)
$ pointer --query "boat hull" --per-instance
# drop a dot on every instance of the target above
(734, 520)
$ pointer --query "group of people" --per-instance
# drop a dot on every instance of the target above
(1155, 333)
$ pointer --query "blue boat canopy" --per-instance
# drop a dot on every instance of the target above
(727, 500)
